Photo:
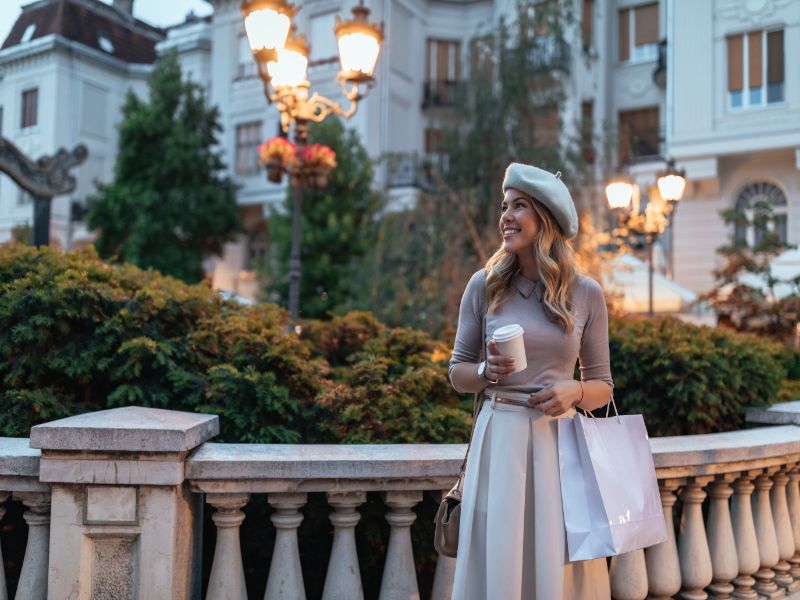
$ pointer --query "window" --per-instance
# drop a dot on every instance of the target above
(765, 207)
(435, 153)
(442, 72)
(30, 102)
(587, 131)
(638, 33)
(587, 24)
(755, 69)
(481, 56)
(248, 136)
(247, 65)
(639, 134)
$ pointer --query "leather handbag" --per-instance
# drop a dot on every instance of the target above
(448, 517)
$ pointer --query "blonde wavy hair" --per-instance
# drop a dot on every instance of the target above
(557, 270)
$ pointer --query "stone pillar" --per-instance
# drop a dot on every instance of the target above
(663, 566)
(3, 589)
(628, 576)
(744, 533)
(33, 578)
(285, 580)
(343, 579)
(399, 580)
(783, 531)
(696, 571)
(445, 568)
(724, 561)
(793, 501)
(767, 539)
(227, 572)
(124, 522)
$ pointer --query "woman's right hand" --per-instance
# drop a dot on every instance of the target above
(498, 366)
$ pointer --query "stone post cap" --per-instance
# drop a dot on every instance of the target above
(782, 413)
(127, 429)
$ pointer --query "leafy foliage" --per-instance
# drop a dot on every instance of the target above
(688, 379)
(169, 205)
(337, 227)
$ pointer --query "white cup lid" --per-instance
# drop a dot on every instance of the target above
(507, 332)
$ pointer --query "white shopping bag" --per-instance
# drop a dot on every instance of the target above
(609, 490)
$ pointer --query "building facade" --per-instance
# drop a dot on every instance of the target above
(710, 84)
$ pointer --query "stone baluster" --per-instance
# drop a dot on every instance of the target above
(399, 580)
(3, 589)
(744, 533)
(628, 576)
(783, 530)
(343, 579)
(767, 539)
(285, 581)
(663, 566)
(33, 578)
(695, 557)
(793, 501)
(724, 562)
(227, 573)
(445, 570)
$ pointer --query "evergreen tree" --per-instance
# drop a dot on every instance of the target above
(338, 228)
(169, 205)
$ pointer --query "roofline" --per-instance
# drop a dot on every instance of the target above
(54, 42)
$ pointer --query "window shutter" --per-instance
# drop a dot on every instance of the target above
(646, 24)
(735, 63)
(443, 61)
(587, 22)
(775, 57)
(429, 60)
(624, 35)
(754, 59)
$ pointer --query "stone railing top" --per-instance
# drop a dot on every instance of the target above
(17, 458)
(127, 429)
(783, 413)
(324, 461)
(725, 447)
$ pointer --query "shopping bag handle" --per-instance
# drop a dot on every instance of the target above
(588, 413)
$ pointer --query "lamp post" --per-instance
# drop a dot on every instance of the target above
(282, 58)
(623, 197)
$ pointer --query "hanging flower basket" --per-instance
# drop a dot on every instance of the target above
(277, 154)
(317, 162)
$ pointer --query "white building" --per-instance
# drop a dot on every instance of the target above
(65, 68)
(707, 83)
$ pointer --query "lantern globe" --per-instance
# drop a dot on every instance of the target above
(290, 68)
(619, 193)
(267, 23)
(359, 45)
(672, 182)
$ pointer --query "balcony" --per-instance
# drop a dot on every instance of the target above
(439, 94)
(114, 500)
(660, 72)
(550, 53)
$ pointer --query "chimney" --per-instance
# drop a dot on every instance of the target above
(124, 6)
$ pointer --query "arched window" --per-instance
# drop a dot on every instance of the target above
(766, 209)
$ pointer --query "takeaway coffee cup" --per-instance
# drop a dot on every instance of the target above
(509, 341)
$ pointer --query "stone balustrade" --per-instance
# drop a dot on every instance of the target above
(127, 483)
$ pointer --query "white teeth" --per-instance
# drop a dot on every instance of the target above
(510, 231)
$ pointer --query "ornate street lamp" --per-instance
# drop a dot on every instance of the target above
(657, 215)
(282, 58)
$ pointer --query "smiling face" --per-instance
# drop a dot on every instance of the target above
(519, 223)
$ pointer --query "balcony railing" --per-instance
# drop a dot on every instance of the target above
(118, 478)
(550, 53)
(439, 94)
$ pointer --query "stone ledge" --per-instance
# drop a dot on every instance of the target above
(324, 461)
(783, 413)
(128, 429)
(17, 458)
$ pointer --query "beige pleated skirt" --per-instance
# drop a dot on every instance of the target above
(512, 544)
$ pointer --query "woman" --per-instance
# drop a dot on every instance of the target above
(511, 539)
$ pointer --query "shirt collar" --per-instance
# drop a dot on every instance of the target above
(527, 286)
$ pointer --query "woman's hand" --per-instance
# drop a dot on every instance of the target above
(557, 398)
(498, 365)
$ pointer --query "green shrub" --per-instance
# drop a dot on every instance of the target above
(687, 379)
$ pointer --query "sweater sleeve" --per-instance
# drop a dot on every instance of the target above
(469, 338)
(594, 357)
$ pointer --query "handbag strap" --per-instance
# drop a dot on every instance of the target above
(609, 404)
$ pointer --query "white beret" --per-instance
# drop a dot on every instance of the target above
(549, 190)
